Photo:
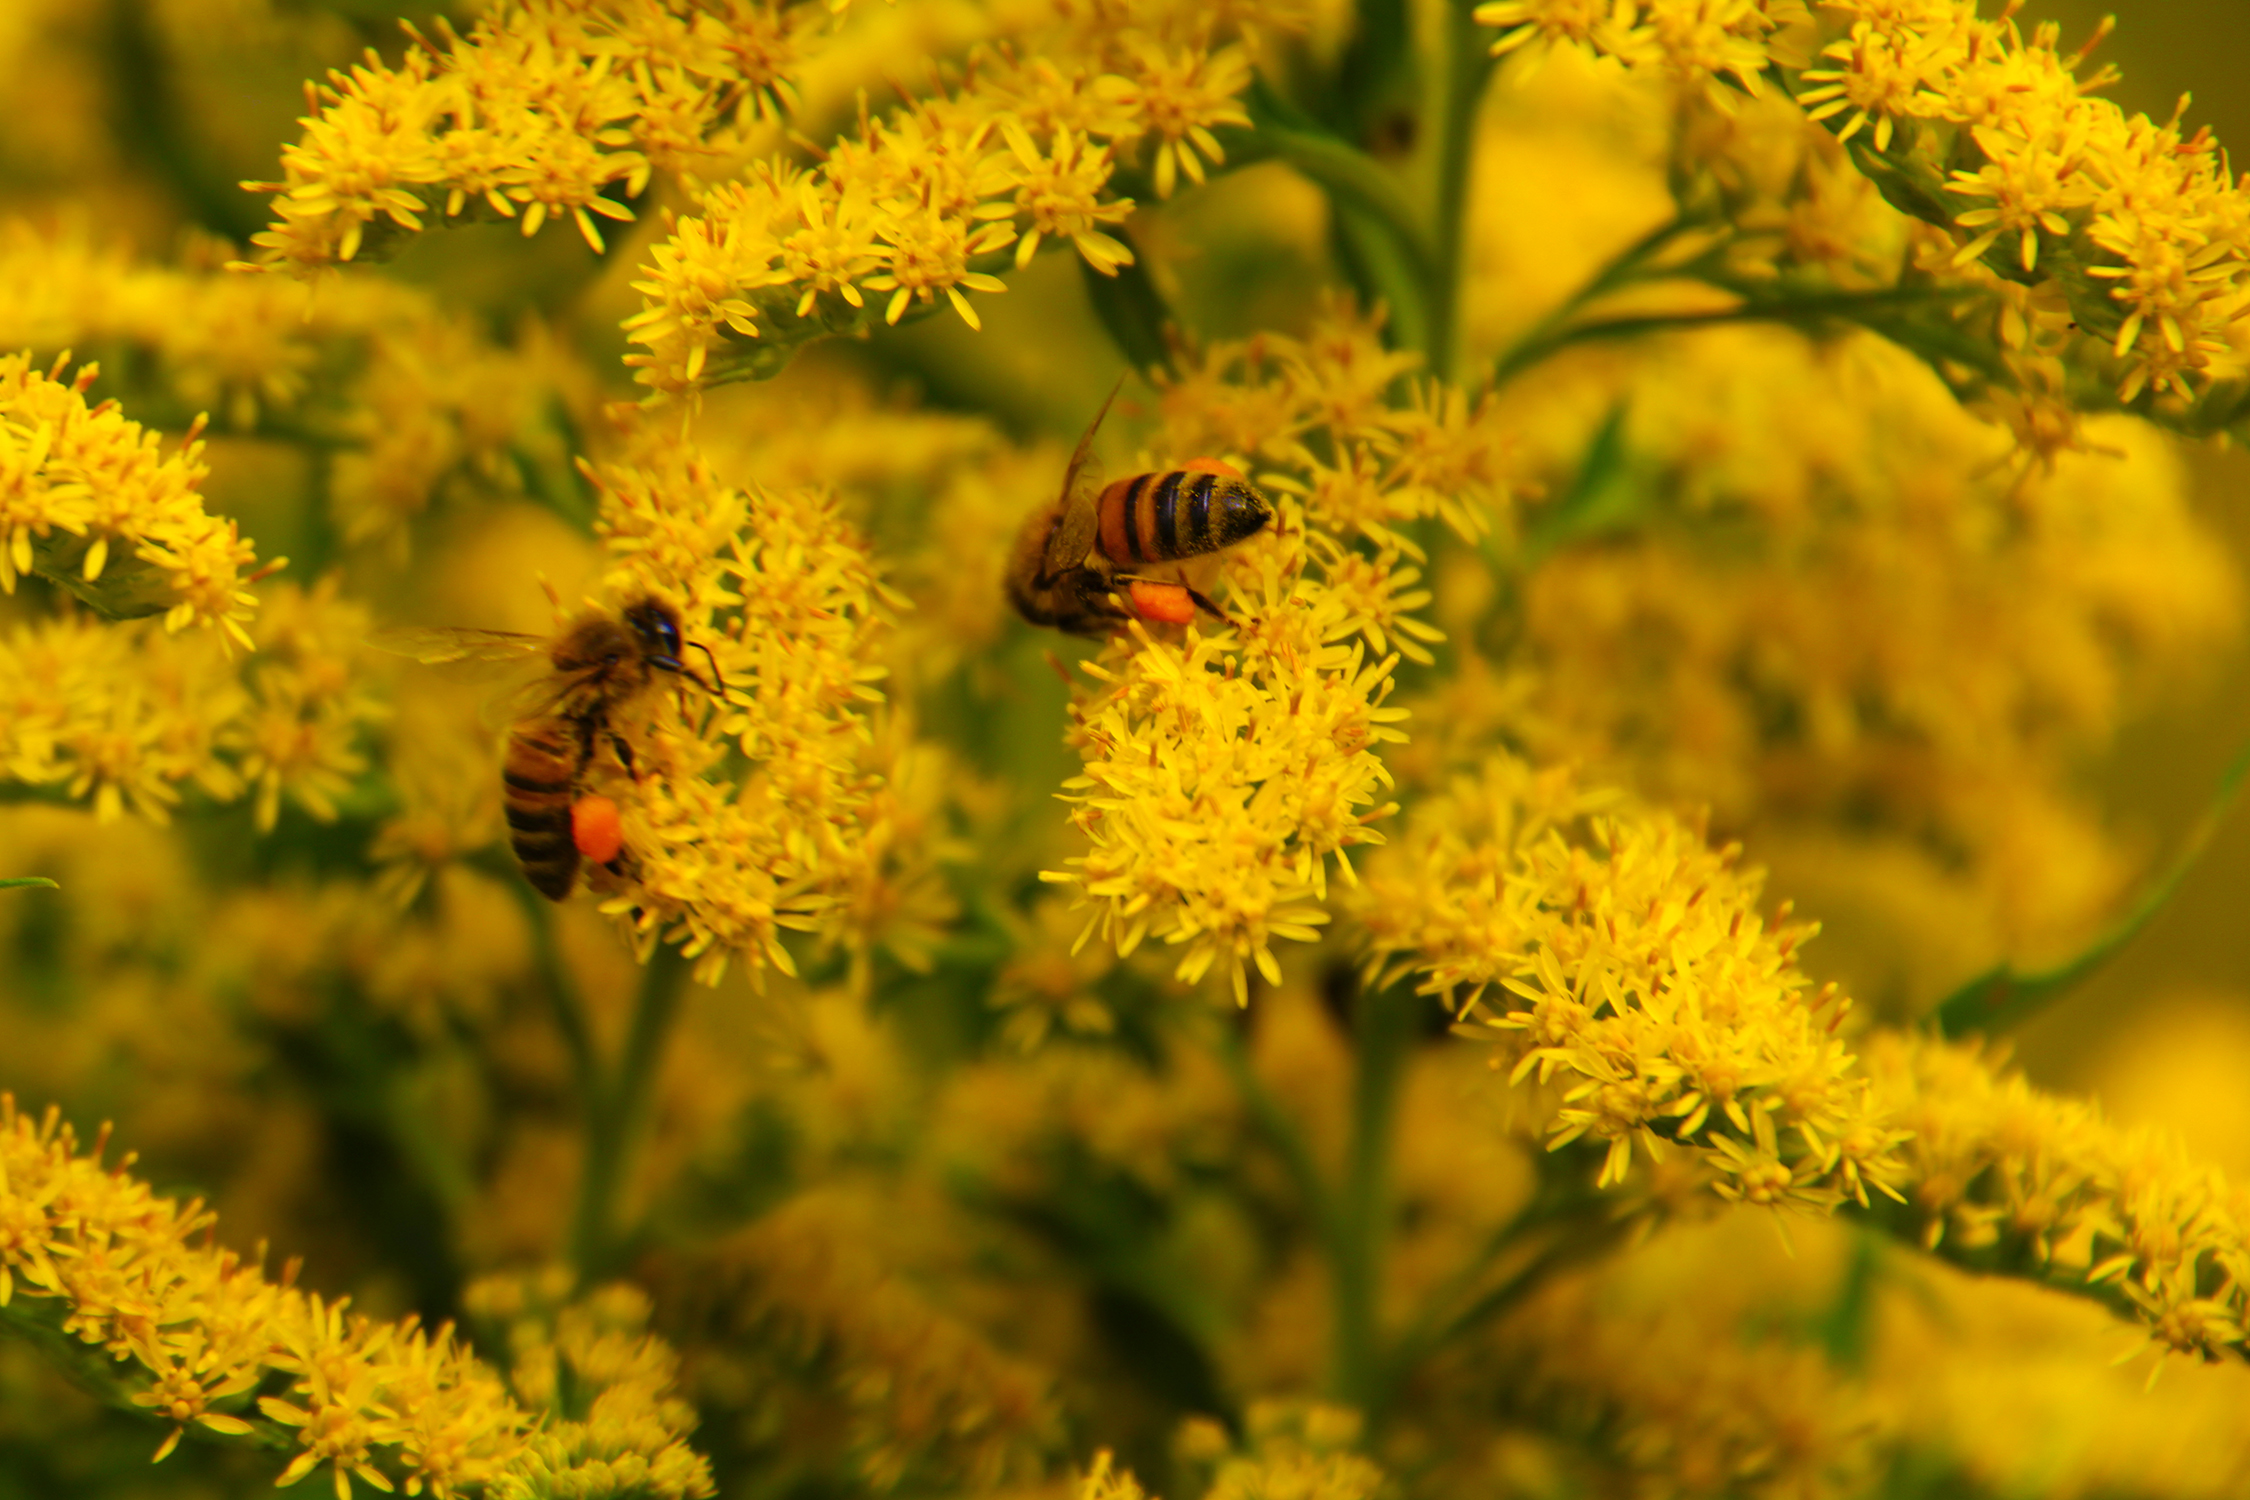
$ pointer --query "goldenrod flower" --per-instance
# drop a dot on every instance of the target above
(1917, 624)
(1992, 1163)
(783, 594)
(1223, 771)
(533, 115)
(79, 484)
(1631, 965)
(924, 1392)
(1694, 1403)
(922, 204)
(197, 1329)
(2157, 276)
(614, 1423)
(121, 714)
(1296, 1448)
(1177, 97)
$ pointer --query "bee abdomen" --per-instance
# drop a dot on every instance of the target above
(539, 781)
(1178, 513)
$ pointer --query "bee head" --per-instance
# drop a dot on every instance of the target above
(659, 629)
(658, 626)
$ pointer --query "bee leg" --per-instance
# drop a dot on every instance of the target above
(1194, 596)
(1208, 607)
(624, 755)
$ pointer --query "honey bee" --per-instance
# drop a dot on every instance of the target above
(1067, 559)
(599, 664)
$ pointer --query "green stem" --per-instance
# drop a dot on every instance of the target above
(1847, 305)
(1469, 65)
(156, 126)
(2005, 997)
(619, 1113)
(1541, 339)
(1565, 1250)
(1282, 1134)
(1384, 1032)
(1350, 176)
(1378, 223)
(555, 978)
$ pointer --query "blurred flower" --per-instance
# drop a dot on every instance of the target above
(614, 1423)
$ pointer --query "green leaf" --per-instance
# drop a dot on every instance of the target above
(129, 588)
(1378, 223)
(13, 880)
(1603, 498)
(2005, 997)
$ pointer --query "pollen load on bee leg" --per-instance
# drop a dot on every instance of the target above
(1162, 603)
(597, 828)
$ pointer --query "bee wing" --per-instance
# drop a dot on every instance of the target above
(541, 696)
(444, 646)
(483, 655)
(1073, 536)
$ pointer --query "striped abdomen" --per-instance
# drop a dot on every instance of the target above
(537, 784)
(1178, 513)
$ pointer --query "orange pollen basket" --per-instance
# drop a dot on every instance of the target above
(1165, 603)
(597, 828)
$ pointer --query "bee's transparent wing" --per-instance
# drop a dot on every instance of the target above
(541, 696)
(484, 655)
(1073, 536)
(444, 646)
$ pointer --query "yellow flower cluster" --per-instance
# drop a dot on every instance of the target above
(923, 203)
(411, 400)
(1628, 960)
(772, 803)
(614, 1423)
(80, 483)
(2004, 1176)
(1898, 643)
(1306, 1451)
(1702, 43)
(2021, 1389)
(2156, 267)
(127, 715)
(1321, 408)
(194, 1329)
(1686, 1405)
(225, 344)
(1296, 1448)
(1224, 770)
(1997, 140)
(543, 107)
(823, 1282)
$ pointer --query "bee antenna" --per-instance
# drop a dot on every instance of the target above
(721, 689)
